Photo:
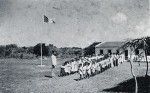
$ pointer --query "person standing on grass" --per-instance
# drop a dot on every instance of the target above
(76, 65)
(93, 67)
(89, 69)
(54, 63)
(67, 68)
(80, 71)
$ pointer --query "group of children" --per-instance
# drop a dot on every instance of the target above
(69, 67)
(87, 67)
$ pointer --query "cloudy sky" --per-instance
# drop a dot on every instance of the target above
(77, 22)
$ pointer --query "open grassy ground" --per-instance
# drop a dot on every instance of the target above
(24, 76)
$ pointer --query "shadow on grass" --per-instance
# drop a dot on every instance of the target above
(129, 86)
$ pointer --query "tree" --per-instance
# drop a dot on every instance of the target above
(37, 50)
(2, 51)
(10, 49)
(52, 48)
(70, 52)
(140, 43)
(11, 46)
(30, 50)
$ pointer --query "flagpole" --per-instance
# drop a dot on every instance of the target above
(41, 55)
(45, 20)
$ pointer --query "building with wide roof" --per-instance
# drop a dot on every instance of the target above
(108, 47)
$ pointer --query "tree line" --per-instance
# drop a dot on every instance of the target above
(14, 51)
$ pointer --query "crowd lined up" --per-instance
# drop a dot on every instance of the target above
(90, 66)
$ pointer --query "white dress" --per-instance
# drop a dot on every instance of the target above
(54, 60)
(93, 68)
(67, 68)
(98, 68)
(111, 60)
(84, 69)
(76, 66)
(89, 69)
(73, 66)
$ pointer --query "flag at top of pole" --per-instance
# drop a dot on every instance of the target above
(46, 20)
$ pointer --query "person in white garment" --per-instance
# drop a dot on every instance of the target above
(54, 63)
(67, 68)
(93, 68)
(72, 66)
(112, 60)
(98, 68)
(80, 71)
(84, 70)
(76, 65)
(89, 70)
(54, 60)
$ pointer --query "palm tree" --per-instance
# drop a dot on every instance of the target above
(140, 43)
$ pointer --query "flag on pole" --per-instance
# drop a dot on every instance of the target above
(52, 21)
(46, 20)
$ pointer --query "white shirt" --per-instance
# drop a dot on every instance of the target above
(68, 68)
(54, 60)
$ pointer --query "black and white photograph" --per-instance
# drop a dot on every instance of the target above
(74, 46)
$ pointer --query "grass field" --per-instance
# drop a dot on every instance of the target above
(25, 76)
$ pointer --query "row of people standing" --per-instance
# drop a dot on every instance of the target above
(85, 67)
(76, 65)
(91, 67)
(88, 66)
(116, 59)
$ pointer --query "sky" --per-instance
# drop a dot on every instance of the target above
(78, 23)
